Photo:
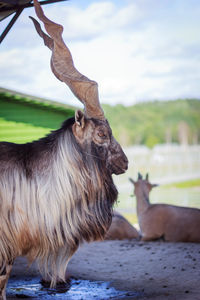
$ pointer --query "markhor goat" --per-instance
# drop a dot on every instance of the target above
(58, 191)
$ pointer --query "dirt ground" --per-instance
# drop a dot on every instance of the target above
(141, 270)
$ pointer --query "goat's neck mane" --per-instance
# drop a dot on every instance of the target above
(64, 194)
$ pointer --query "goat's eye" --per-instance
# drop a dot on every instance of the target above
(101, 134)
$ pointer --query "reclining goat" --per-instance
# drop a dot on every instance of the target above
(121, 229)
(170, 222)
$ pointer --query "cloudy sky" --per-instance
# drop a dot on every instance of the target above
(137, 50)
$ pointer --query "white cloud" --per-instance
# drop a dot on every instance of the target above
(135, 51)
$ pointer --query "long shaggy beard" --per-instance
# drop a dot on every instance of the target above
(66, 200)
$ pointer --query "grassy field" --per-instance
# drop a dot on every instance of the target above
(185, 184)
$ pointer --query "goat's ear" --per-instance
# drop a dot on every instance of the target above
(80, 118)
(154, 185)
(131, 180)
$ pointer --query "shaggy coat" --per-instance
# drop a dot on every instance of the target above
(58, 194)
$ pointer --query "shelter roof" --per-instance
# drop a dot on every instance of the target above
(9, 7)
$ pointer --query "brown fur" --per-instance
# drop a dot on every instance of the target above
(3, 281)
(121, 229)
(170, 222)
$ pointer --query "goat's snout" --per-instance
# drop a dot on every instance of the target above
(123, 161)
(119, 165)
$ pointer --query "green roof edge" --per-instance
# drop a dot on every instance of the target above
(34, 100)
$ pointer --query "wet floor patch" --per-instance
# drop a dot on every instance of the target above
(76, 290)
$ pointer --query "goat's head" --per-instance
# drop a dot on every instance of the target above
(97, 134)
(143, 184)
(90, 127)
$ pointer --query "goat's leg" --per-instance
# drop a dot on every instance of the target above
(4, 276)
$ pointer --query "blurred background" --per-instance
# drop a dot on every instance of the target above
(144, 54)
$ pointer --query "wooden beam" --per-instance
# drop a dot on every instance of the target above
(13, 20)
(12, 2)
(18, 9)
(15, 7)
